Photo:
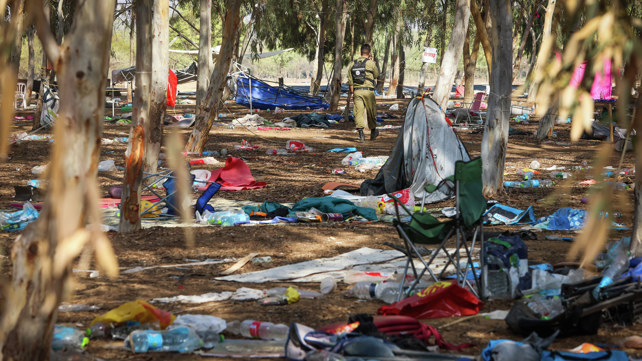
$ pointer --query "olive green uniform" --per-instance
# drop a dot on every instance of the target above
(365, 107)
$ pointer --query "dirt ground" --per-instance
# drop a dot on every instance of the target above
(289, 179)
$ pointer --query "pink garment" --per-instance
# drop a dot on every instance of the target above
(603, 82)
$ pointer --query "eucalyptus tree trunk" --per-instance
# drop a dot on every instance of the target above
(482, 34)
(17, 11)
(368, 27)
(135, 154)
(636, 237)
(204, 122)
(451, 57)
(394, 66)
(402, 71)
(341, 18)
(424, 68)
(316, 85)
(43, 74)
(158, 95)
(43, 254)
(544, 53)
(31, 73)
(470, 64)
(132, 53)
(444, 25)
(495, 139)
(204, 53)
(384, 69)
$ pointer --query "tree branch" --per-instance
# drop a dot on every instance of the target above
(187, 21)
(49, 43)
(183, 36)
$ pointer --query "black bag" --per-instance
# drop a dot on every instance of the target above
(522, 320)
(359, 72)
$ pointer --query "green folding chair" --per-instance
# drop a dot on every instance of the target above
(466, 226)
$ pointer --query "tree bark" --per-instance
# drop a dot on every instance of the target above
(544, 51)
(31, 64)
(384, 69)
(204, 53)
(495, 139)
(482, 34)
(368, 27)
(17, 10)
(470, 63)
(43, 75)
(394, 73)
(444, 26)
(204, 122)
(424, 68)
(341, 18)
(452, 55)
(316, 85)
(44, 252)
(158, 96)
(132, 53)
(402, 70)
(636, 237)
(135, 154)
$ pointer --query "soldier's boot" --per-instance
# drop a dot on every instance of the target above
(374, 134)
(362, 137)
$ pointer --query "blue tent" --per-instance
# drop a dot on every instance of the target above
(264, 96)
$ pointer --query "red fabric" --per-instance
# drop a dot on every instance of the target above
(235, 176)
(172, 89)
(441, 299)
(402, 325)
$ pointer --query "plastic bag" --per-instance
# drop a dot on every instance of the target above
(387, 204)
(107, 166)
(17, 221)
(441, 299)
(351, 158)
(140, 311)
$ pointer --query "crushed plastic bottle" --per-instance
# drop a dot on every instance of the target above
(384, 291)
(619, 265)
(258, 329)
(179, 339)
(534, 183)
(68, 338)
(352, 158)
(328, 285)
(546, 308)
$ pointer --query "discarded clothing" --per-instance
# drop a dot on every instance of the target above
(235, 176)
(334, 205)
(564, 219)
(311, 120)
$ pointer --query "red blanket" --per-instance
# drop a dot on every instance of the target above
(235, 176)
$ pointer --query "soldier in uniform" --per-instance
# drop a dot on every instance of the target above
(361, 79)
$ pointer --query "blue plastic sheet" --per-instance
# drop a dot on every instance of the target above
(264, 96)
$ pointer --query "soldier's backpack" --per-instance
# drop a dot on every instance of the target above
(359, 72)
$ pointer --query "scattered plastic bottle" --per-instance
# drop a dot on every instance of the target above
(560, 175)
(258, 329)
(118, 332)
(619, 265)
(34, 183)
(526, 174)
(179, 339)
(68, 338)
(534, 183)
(546, 308)
(279, 151)
(229, 218)
(279, 291)
(328, 285)
(384, 291)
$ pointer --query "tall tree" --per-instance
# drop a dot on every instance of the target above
(43, 254)
(204, 122)
(424, 67)
(17, 12)
(470, 63)
(544, 53)
(384, 69)
(132, 52)
(394, 54)
(480, 24)
(529, 19)
(402, 70)
(341, 17)
(158, 95)
(320, 60)
(135, 154)
(495, 139)
(451, 57)
(31, 64)
(370, 21)
(204, 53)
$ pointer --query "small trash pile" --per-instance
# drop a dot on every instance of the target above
(362, 163)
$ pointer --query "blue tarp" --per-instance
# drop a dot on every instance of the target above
(264, 96)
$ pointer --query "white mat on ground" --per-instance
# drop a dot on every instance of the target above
(357, 257)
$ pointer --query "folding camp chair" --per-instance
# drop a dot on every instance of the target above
(466, 226)
(474, 110)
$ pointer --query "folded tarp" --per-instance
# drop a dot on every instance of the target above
(502, 214)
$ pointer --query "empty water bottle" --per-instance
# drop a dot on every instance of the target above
(258, 329)
(619, 265)
(546, 308)
(179, 339)
(68, 338)
(384, 291)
